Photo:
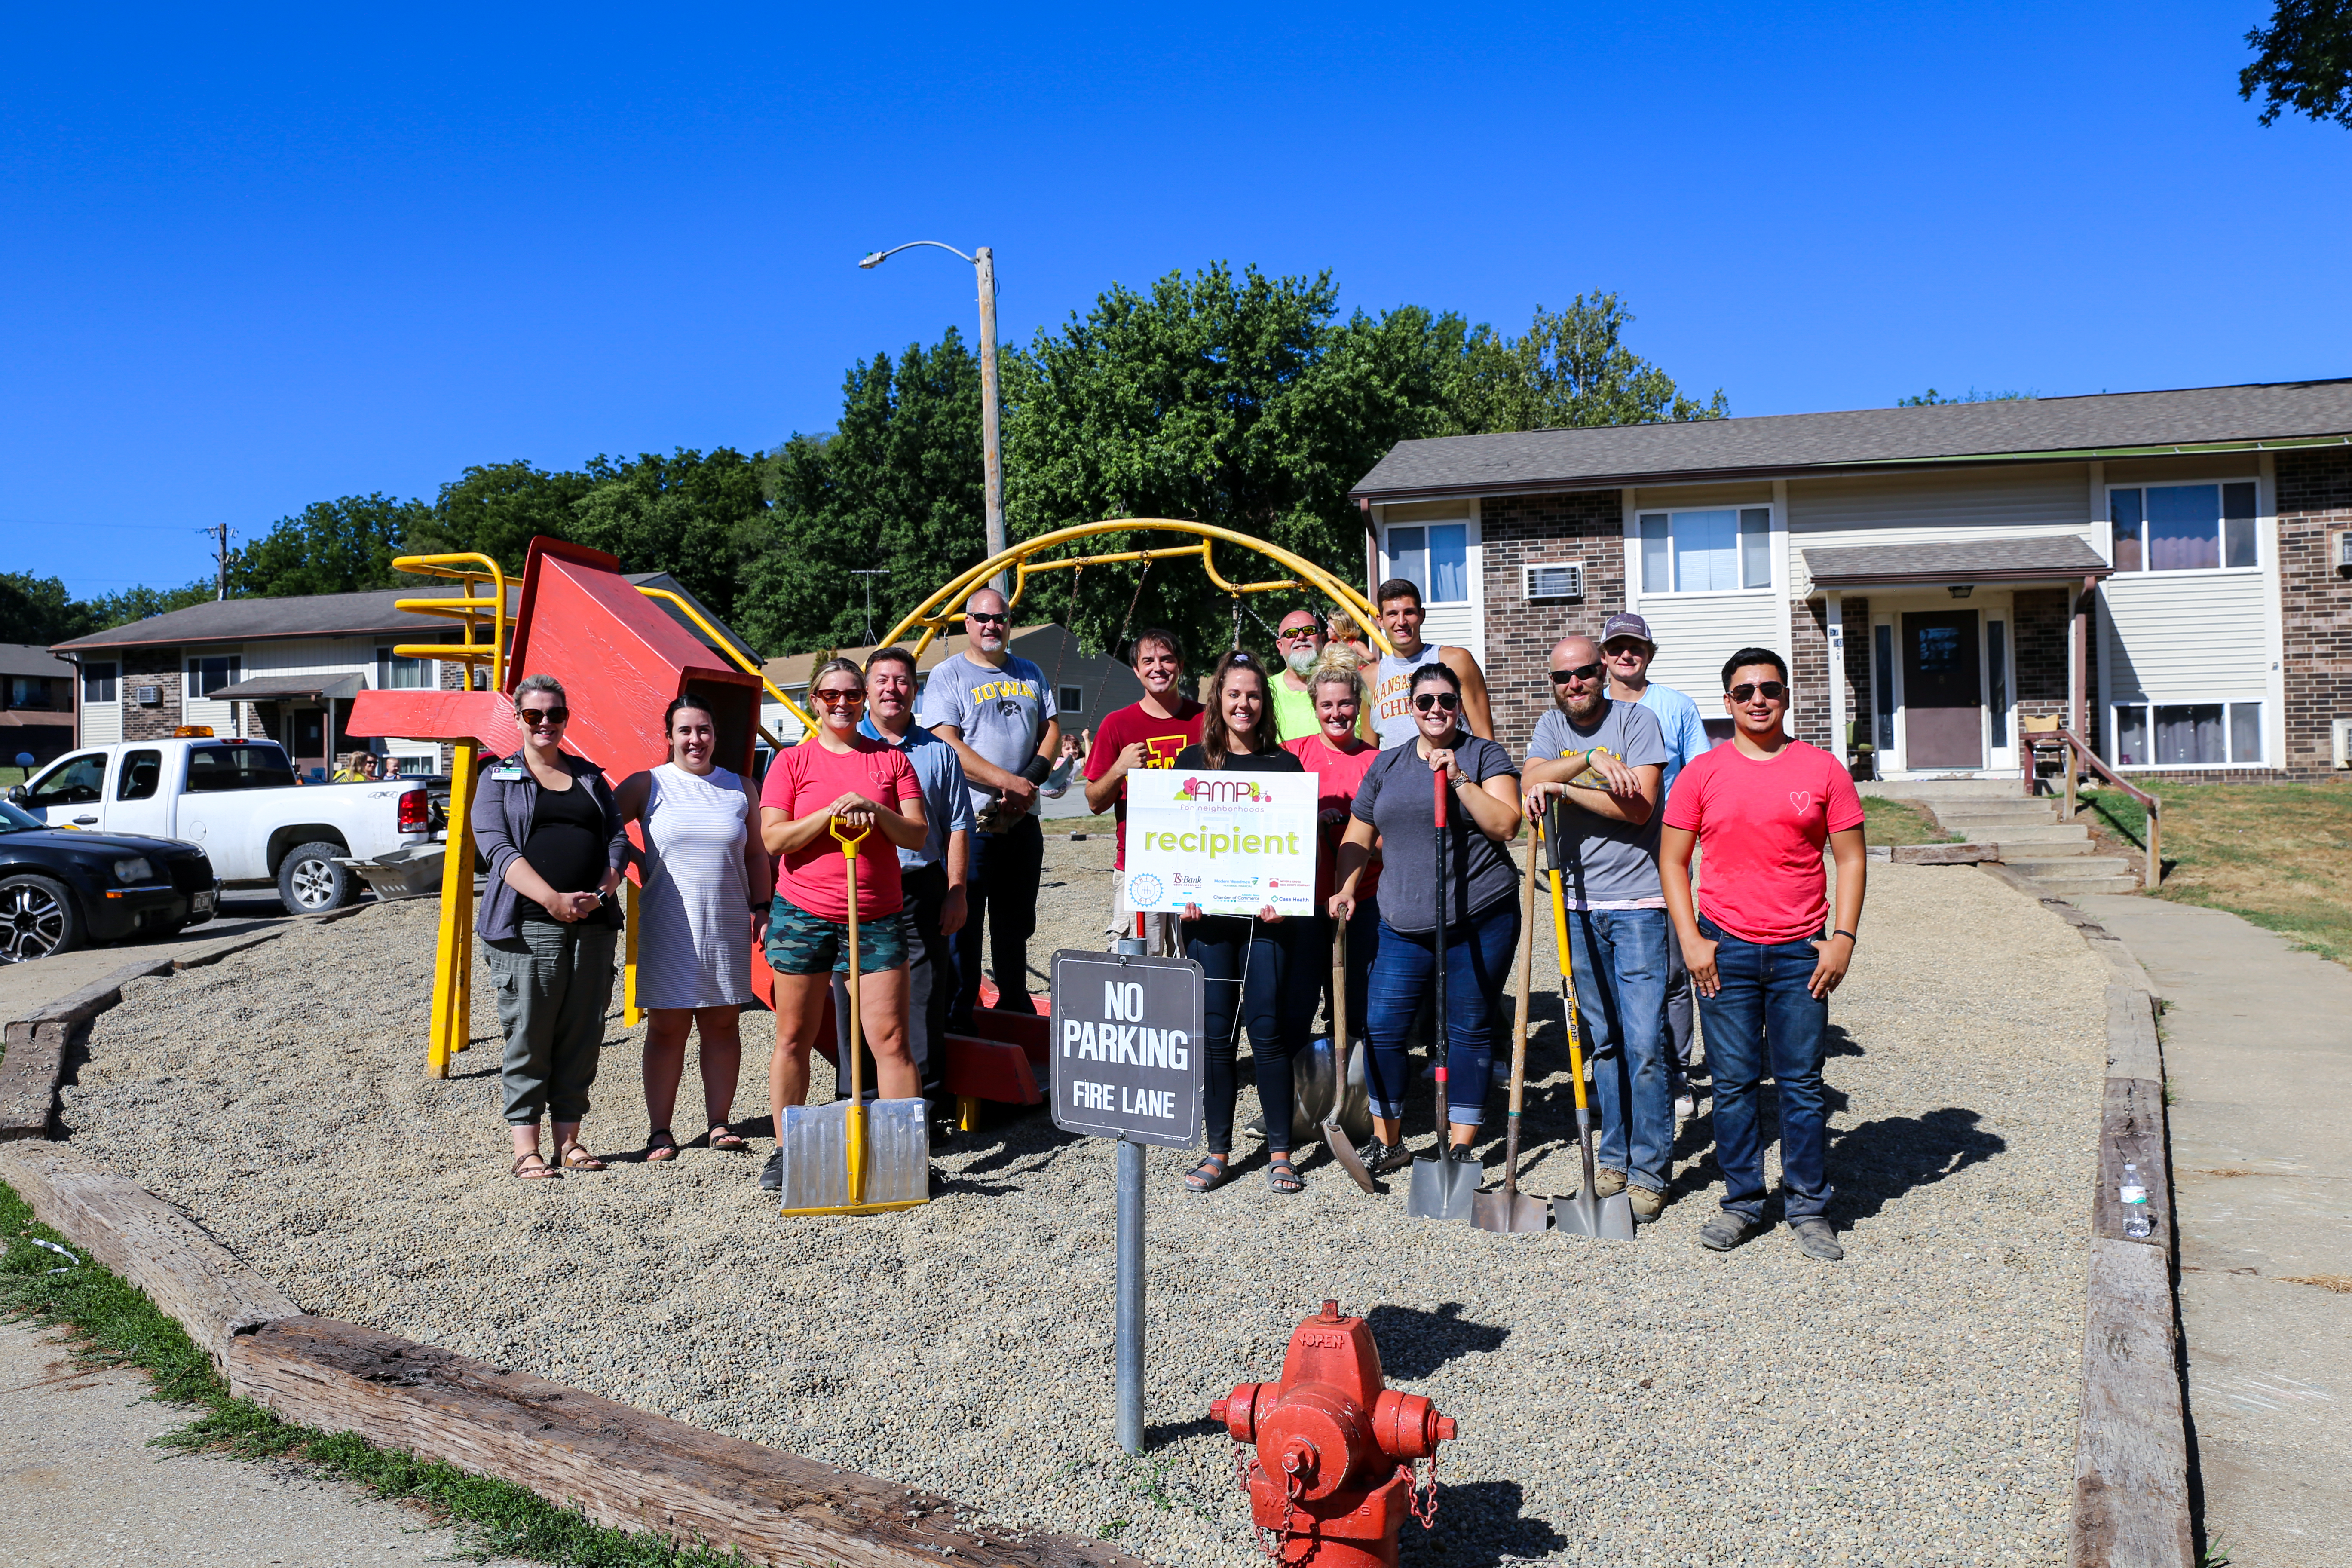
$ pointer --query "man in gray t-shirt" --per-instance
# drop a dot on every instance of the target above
(1600, 760)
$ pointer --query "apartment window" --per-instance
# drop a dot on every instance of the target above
(1435, 559)
(29, 691)
(2183, 528)
(98, 682)
(206, 676)
(393, 673)
(2188, 734)
(1720, 550)
(1996, 673)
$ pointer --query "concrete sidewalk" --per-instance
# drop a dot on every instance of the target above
(23, 987)
(2258, 1060)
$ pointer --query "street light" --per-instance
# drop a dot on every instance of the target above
(993, 454)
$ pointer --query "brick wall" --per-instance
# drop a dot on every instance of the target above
(1587, 526)
(150, 667)
(2315, 502)
(2043, 628)
(1809, 674)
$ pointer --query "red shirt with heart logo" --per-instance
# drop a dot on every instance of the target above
(1761, 826)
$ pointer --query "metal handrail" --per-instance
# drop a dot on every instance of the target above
(2078, 751)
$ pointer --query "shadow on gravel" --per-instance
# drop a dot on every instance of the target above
(1836, 1042)
(1414, 1344)
(1158, 1434)
(1480, 1525)
(1881, 1160)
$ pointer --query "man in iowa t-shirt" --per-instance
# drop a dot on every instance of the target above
(1145, 735)
(1759, 810)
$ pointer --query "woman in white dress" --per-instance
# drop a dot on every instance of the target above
(705, 881)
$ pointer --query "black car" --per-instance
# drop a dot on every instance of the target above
(59, 888)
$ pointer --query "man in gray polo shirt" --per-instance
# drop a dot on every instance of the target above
(1602, 760)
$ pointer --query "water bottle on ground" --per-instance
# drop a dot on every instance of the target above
(2133, 1196)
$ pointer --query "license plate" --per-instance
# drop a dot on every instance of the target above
(201, 902)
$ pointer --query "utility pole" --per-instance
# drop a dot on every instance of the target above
(870, 573)
(219, 533)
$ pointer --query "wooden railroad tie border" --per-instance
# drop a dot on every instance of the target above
(621, 1466)
(2131, 1448)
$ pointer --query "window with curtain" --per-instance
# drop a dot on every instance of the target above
(394, 673)
(2188, 734)
(1435, 558)
(1717, 550)
(2184, 527)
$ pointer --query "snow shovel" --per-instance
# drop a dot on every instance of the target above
(1511, 1211)
(1443, 1187)
(1335, 1137)
(1612, 1218)
(849, 1157)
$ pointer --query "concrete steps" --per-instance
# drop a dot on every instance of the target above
(2058, 855)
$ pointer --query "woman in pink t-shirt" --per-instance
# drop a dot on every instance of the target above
(837, 774)
(1339, 756)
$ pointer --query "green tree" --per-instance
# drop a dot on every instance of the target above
(698, 518)
(1571, 369)
(2306, 61)
(495, 510)
(140, 604)
(897, 486)
(342, 546)
(1931, 398)
(38, 610)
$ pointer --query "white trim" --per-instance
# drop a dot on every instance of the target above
(1833, 632)
(2221, 524)
(2274, 614)
(2152, 703)
(1776, 535)
(2102, 541)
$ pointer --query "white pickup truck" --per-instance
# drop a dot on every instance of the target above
(239, 801)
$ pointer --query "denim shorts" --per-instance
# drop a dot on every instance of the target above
(800, 942)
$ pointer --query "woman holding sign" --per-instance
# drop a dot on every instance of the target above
(1396, 805)
(1251, 964)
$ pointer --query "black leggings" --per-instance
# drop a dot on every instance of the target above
(1276, 998)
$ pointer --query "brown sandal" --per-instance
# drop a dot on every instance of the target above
(577, 1158)
(538, 1173)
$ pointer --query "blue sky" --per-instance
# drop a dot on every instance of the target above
(256, 259)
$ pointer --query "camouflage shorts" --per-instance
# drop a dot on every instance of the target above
(800, 942)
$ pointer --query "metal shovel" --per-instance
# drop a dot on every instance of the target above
(1335, 1136)
(1511, 1210)
(1610, 1219)
(849, 1157)
(1443, 1187)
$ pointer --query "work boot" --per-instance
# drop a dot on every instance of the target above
(1381, 1158)
(1724, 1231)
(772, 1175)
(1647, 1205)
(1608, 1184)
(1815, 1238)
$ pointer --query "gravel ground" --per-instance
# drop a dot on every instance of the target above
(1643, 1404)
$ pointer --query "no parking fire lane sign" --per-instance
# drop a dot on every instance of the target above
(1126, 1047)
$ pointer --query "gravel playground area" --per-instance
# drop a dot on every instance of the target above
(1650, 1403)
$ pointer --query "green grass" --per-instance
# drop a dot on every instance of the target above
(1087, 825)
(12, 774)
(1886, 822)
(2277, 855)
(114, 1324)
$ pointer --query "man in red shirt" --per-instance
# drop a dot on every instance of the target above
(1145, 735)
(1758, 811)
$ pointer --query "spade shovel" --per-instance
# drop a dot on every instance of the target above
(1443, 1187)
(1335, 1137)
(1611, 1218)
(1511, 1210)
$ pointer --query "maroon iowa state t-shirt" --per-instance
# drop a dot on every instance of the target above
(1162, 738)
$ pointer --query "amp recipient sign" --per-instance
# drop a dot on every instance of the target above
(1231, 843)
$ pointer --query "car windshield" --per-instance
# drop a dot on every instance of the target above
(16, 819)
(245, 766)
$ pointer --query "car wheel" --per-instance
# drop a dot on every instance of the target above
(37, 918)
(310, 883)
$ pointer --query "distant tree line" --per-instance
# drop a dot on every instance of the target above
(1237, 399)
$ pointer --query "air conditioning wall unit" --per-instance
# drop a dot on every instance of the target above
(150, 696)
(2340, 741)
(1556, 581)
(2342, 554)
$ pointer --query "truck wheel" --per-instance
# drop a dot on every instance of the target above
(310, 883)
(37, 918)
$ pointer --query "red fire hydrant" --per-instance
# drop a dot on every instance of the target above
(1333, 1475)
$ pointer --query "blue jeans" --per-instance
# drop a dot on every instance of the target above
(1620, 998)
(1477, 966)
(1761, 1020)
(1254, 973)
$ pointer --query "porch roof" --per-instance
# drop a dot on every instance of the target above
(277, 688)
(2050, 558)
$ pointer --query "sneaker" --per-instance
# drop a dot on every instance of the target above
(1647, 1205)
(1724, 1231)
(1608, 1184)
(772, 1175)
(1686, 1103)
(1381, 1158)
(1816, 1239)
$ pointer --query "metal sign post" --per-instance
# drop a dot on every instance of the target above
(1126, 1064)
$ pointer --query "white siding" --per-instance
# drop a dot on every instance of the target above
(101, 722)
(1696, 633)
(2186, 636)
(2044, 499)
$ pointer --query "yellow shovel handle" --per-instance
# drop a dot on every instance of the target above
(1567, 978)
(857, 1129)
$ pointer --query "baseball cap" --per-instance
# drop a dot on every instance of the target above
(1626, 625)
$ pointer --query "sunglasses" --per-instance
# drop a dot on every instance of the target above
(535, 717)
(983, 619)
(1772, 690)
(1576, 672)
(839, 699)
(1296, 634)
(1445, 701)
